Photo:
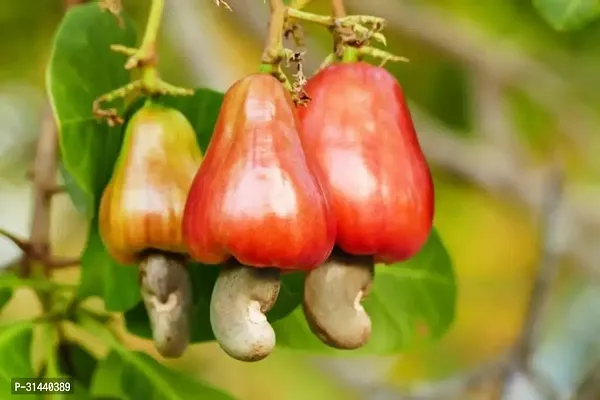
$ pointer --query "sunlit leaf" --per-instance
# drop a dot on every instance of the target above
(102, 276)
(135, 375)
(15, 355)
(82, 67)
(77, 362)
(566, 15)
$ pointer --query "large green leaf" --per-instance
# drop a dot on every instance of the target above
(82, 67)
(565, 15)
(407, 299)
(82, 201)
(126, 374)
(5, 296)
(15, 355)
(106, 380)
(135, 375)
(203, 279)
(102, 276)
(77, 362)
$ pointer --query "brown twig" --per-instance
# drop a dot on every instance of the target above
(43, 174)
(273, 46)
(59, 263)
(341, 35)
(20, 243)
(546, 271)
(44, 180)
(456, 386)
(548, 267)
(338, 8)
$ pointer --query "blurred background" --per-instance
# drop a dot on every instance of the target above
(498, 97)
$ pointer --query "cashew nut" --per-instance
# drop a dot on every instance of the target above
(332, 296)
(241, 297)
(167, 293)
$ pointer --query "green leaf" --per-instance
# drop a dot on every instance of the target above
(82, 201)
(102, 276)
(106, 381)
(414, 298)
(77, 362)
(15, 354)
(136, 375)
(203, 280)
(82, 67)
(567, 15)
(80, 392)
(5, 296)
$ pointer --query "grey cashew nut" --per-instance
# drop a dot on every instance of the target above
(332, 296)
(167, 294)
(241, 297)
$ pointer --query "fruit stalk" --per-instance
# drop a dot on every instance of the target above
(152, 27)
(339, 10)
(274, 52)
(144, 58)
(342, 35)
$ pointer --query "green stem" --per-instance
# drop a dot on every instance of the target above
(324, 20)
(342, 52)
(350, 54)
(272, 54)
(149, 77)
(145, 59)
(50, 334)
(153, 25)
(330, 22)
(149, 73)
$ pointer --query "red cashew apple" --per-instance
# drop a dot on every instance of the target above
(140, 216)
(255, 206)
(358, 133)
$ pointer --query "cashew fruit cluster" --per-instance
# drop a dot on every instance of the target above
(330, 189)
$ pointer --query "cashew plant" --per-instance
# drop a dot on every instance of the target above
(275, 215)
